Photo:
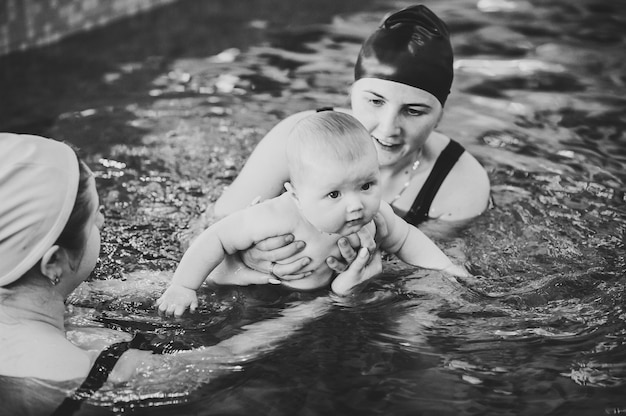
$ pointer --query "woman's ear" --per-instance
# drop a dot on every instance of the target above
(52, 263)
(439, 118)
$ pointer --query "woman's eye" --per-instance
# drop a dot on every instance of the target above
(414, 112)
(376, 102)
(333, 194)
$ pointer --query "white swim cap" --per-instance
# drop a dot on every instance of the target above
(38, 187)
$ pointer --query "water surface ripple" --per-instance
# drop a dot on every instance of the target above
(170, 107)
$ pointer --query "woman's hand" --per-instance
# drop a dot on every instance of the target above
(362, 268)
(266, 255)
(358, 267)
(349, 246)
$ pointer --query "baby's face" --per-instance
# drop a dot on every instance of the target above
(340, 198)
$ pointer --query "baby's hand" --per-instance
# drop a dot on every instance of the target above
(176, 299)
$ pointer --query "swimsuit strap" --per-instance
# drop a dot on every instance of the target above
(99, 373)
(443, 165)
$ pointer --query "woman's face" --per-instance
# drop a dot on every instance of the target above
(398, 117)
(89, 256)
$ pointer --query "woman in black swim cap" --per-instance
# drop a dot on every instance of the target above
(411, 47)
(403, 76)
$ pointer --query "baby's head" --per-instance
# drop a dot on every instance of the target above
(334, 174)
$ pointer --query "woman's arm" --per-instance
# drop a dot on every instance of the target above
(264, 173)
(261, 178)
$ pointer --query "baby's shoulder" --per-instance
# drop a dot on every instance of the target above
(268, 218)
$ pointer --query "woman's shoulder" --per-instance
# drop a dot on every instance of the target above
(45, 356)
(465, 191)
(287, 123)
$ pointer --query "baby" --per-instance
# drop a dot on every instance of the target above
(334, 191)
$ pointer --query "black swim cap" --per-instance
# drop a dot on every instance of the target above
(411, 46)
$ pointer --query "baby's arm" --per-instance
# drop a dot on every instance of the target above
(231, 234)
(204, 254)
(413, 247)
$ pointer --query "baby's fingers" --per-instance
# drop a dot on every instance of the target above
(171, 308)
(179, 310)
(161, 305)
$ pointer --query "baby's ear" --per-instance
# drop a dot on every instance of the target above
(291, 191)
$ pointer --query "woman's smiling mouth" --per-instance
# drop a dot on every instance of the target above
(385, 145)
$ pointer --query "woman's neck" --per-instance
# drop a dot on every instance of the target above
(35, 304)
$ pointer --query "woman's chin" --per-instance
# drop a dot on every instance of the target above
(388, 158)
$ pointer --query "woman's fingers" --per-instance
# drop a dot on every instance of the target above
(348, 248)
(290, 271)
(284, 252)
(336, 265)
(362, 269)
(271, 250)
(348, 253)
(273, 243)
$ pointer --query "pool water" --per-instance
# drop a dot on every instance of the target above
(167, 106)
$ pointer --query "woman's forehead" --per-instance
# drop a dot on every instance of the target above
(392, 90)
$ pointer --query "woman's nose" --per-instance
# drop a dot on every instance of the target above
(388, 123)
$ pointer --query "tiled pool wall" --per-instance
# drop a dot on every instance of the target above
(28, 23)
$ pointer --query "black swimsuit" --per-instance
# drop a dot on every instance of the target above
(99, 373)
(443, 165)
(418, 212)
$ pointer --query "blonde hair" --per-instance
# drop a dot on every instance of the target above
(327, 135)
